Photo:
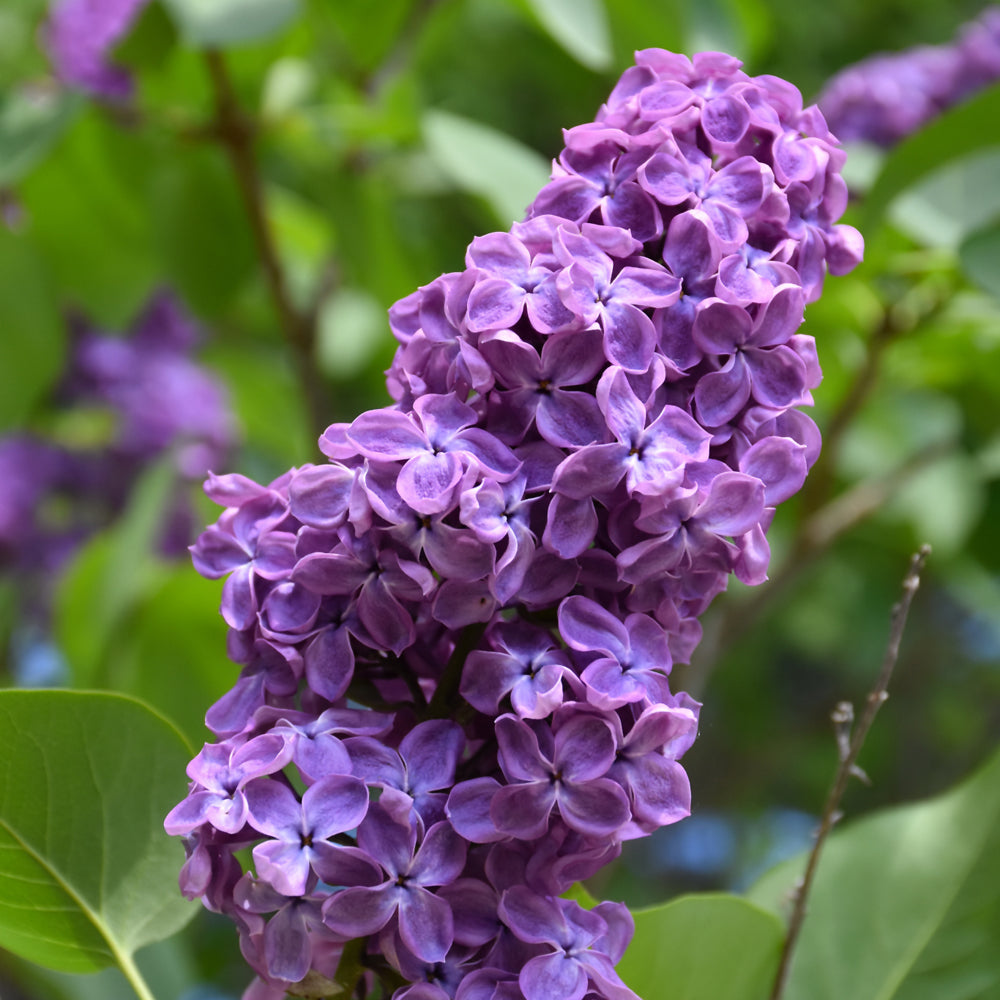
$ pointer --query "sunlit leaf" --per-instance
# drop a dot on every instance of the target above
(980, 255)
(702, 947)
(579, 26)
(487, 163)
(906, 903)
(225, 22)
(87, 875)
(30, 122)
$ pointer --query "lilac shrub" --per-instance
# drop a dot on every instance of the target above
(887, 97)
(456, 634)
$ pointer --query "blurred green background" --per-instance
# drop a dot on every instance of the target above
(386, 138)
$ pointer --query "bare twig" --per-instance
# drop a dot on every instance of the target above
(849, 747)
(236, 133)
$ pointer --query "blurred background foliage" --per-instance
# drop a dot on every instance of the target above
(383, 139)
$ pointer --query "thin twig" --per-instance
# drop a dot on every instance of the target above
(848, 752)
(236, 133)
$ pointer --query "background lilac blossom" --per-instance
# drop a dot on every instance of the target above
(80, 36)
(590, 434)
(887, 97)
(123, 403)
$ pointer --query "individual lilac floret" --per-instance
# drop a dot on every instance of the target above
(80, 35)
(591, 427)
(425, 920)
(887, 97)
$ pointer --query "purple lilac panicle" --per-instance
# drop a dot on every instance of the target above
(593, 423)
(887, 97)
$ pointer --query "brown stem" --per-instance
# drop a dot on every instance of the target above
(236, 133)
(848, 753)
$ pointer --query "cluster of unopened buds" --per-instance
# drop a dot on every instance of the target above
(456, 634)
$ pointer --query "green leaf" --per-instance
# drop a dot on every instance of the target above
(352, 328)
(149, 41)
(202, 230)
(944, 208)
(111, 574)
(32, 337)
(88, 212)
(174, 653)
(207, 23)
(962, 130)
(906, 903)
(980, 256)
(579, 26)
(30, 122)
(87, 875)
(703, 947)
(485, 162)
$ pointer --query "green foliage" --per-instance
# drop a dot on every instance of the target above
(88, 875)
(701, 948)
(90, 216)
(579, 26)
(202, 234)
(29, 125)
(906, 904)
(485, 162)
(980, 255)
(208, 23)
(964, 129)
(31, 330)
(110, 575)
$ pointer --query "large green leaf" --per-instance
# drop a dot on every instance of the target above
(964, 129)
(579, 26)
(87, 875)
(906, 903)
(704, 947)
(486, 162)
(225, 22)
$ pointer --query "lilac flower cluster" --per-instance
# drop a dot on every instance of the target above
(140, 396)
(79, 37)
(889, 96)
(456, 634)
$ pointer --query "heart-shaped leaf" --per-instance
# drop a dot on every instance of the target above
(702, 947)
(87, 874)
(905, 904)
